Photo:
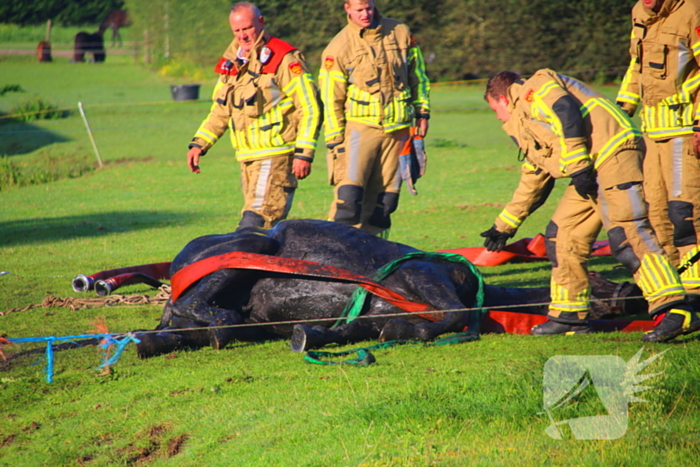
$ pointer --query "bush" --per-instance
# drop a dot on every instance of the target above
(36, 108)
(49, 165)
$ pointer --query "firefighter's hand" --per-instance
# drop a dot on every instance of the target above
(585, 183)
(696, 144)
(422, 127)
(301, 168)
(495, 239)
(193, 156)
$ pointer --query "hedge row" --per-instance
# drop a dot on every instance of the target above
(73, 13)
(460, 38)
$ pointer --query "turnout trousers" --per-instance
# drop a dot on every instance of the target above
(366, 177)
(620, 208)
(672, 189)
(268, 190)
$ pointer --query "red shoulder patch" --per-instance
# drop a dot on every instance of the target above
(296, 68)
(225, 67)
(529, 96)
(697, 31)
(328, 62)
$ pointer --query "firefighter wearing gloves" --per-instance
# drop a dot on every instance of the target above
(664, 78)
(268, 99)
(565, 129)
(373, 85)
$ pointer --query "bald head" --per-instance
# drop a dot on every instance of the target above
(246, 24)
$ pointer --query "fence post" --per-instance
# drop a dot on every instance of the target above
(146, 48)
(92, 139)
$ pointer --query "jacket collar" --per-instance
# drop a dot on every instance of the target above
(232, 50)
(666, 8)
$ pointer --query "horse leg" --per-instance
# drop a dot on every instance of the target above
(433, 284)
(305, 338)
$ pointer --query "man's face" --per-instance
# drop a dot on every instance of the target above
(652, 4)
(361, 12)
(246, 28)
(500, 106)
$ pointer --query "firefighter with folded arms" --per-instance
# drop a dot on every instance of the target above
(663, 79)
(565, 129)
(268, 99)
(373, 85)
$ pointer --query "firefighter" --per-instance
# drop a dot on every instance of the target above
(664, 77)
(373, 85)
(565, 129)
(268, 99)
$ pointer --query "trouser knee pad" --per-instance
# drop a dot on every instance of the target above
(622, 250)
(387, 203)
(681, 215)
(349, 207)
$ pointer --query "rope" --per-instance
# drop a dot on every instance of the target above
(75, 303)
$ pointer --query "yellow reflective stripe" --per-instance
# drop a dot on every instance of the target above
(616, 112)
(691, 276)
(422, 97)
(310, 110)
(397, 126)
(569, 158)
(546, 87)
(611, 146)
(696, 48)
(625, 94)
(690, 85)
(206, 135)
(510, 219)
(246, 154)
(657, 278)
(327, 82)
(529, 166)
(563, 301)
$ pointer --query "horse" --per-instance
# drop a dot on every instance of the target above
(267, 300)
(115, 20)
(89, 42)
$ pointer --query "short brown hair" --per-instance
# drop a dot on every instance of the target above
(499, 83)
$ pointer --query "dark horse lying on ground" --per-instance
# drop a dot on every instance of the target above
(235, 296)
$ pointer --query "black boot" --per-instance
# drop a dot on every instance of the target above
(680, 319)
(551, 328)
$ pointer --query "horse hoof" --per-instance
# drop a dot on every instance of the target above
(154, 344)
(298, 342)
(396, 330)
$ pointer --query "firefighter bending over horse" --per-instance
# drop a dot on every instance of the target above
(565, 129)
(268, 99)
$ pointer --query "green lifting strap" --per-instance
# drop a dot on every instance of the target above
(359, 297)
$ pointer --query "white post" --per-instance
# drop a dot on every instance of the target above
(92, 139)
(167, 33)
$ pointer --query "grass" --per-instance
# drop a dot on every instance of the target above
(259, 404)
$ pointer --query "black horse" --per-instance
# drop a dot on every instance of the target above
(86, 42)
(237, 296)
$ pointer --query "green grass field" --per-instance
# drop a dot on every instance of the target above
(478, 403)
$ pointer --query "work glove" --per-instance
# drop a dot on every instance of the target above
(412, 162)
(495, 239)
(585, 183)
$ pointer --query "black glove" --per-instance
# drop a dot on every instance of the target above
(495, 240)
(585, 183)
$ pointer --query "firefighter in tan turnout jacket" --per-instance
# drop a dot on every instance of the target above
(268, 99)
(565, 129)
(373, 85)
(664, 78)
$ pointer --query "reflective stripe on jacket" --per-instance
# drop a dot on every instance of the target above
(664, 73)
(375, 76)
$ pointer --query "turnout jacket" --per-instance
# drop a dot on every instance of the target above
(375, 76)
(561, 127)
(270, 103)
(664, 74)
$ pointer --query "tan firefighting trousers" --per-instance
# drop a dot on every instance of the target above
(672, 188)
(366, 177)
(268, 190)
(620, 208)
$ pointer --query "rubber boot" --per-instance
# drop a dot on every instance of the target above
(680, 319)
(552, 328)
